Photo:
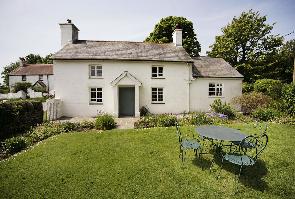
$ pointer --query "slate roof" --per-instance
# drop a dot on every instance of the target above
(214, 67)
(122, 50)
(33, 69)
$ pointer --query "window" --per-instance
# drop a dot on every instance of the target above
(96, 95)
(24, 78)
(41, 77)
(215, 89)
(157, 72)
(157, 95)
(95, 71)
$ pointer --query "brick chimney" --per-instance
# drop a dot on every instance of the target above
(177, 36)
(69, 32)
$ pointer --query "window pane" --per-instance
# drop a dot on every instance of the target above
(98, 67)
(154, 69)
(211, 93)
(211, 85)
(93, 94)
(154, 89)
(99, 73)
(92, 72)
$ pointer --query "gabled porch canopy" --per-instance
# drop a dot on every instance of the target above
(126, 79)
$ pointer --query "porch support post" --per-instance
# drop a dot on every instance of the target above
(116, 107)
(137, 114)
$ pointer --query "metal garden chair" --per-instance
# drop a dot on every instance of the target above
(186, 144)
(247, 155)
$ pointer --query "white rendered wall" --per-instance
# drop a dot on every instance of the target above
(72, 86)
(200, 99)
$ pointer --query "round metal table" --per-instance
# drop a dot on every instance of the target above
(220, 133)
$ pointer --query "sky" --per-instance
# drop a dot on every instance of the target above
(31, 26)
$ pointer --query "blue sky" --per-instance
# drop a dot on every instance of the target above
(31, 26)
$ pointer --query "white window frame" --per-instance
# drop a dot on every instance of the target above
(216, 89)
(159, 73)
(157, 95)
(97, 99)
(97, 69)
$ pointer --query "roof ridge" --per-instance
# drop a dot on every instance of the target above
(87, 40)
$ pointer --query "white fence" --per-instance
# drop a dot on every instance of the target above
(53, 109)
(19, 94)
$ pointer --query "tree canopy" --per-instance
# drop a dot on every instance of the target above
(247, 44)
(29, 59)
(163, 32)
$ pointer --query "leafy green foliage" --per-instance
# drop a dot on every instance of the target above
(19, 116)
(144, 111)
(196, 118)
(266, 114)
(29, 59)
(22, 86)
(161, 120)
(270, 87)
(4, 89)
(163, 32)
(105, 122)
(15, 144)
(251, 101)
(288, 98)
(247, 44)
(247, 87)
(224, 108)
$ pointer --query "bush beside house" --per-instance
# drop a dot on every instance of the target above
(19, 116)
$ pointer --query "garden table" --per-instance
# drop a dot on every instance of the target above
(220, 133)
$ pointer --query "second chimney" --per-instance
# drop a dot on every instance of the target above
(177, 36)
(69, 32)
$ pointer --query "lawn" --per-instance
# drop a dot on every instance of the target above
(144, 164)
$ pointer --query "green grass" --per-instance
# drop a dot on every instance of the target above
(144, 164)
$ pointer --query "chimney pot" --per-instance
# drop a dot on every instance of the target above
(22, 62)
(69, 21)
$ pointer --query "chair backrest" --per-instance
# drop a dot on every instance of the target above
(253, 146)
(178, 132)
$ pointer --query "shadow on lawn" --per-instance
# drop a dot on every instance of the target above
(251, 176)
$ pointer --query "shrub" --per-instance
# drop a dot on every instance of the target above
(144, 111)
(224, 108)
(288, 98)
(247, 87)
(105, 122)
(270, 87)
(45, 131)
(87, 125)
(165, 120)
(266, 114)
(146, 122)
(196, 118)
(15, 144)
(22, 86)
(70, 126)
(19, 116)
(251, 101)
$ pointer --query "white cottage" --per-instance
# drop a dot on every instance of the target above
(119, 77)
(40, 75)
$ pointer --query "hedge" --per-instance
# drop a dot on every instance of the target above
(17, 117)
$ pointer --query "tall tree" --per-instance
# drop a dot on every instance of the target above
(163, 32)
(247, 44)
(29, 59)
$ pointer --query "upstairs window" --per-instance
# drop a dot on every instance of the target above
(95, 95)
(95, 71)
(157, 95)
(41, 77)
(215, 89)
(157, 72)
(24, 78)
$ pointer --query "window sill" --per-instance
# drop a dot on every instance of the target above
(158, 78)
(215, 96)
(95, 103)
(95, 77)
(158, 102)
